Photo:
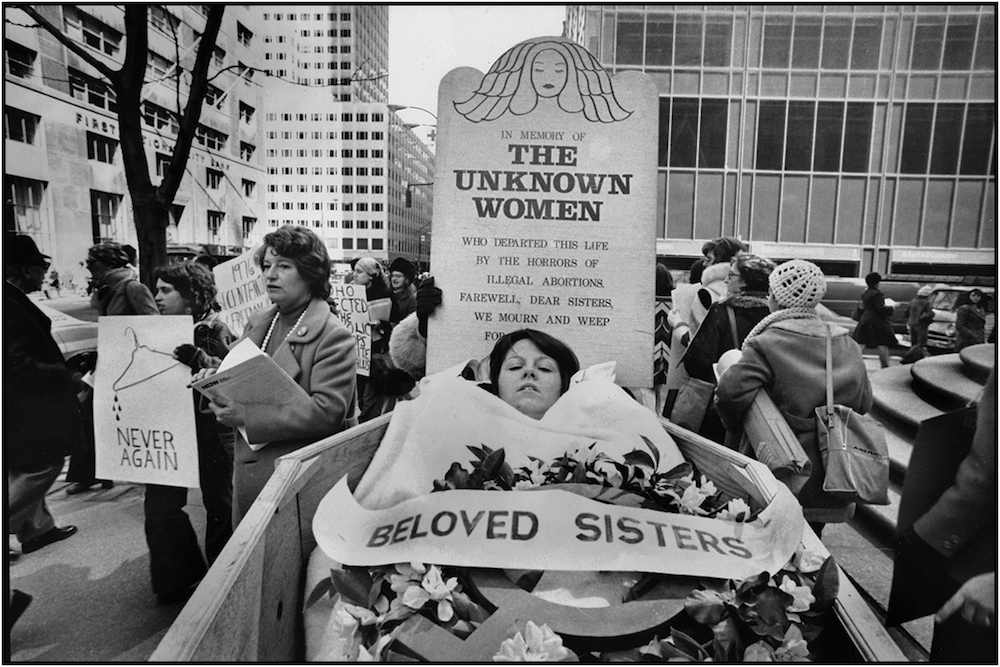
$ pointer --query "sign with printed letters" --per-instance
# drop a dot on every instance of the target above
(544, 207)
(143, 407)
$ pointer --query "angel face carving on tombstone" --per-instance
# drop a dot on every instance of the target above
(544, 68)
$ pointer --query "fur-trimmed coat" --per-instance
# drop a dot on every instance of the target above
(714, 336)
(788, 358)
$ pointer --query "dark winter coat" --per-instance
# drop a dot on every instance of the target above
(874, 328)
(788, 359)
(714, 336)
(42, 421)
(120, 293)
(970, 326)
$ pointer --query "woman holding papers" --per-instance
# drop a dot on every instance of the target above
(175, 560)
(785, 353)
(306, 341)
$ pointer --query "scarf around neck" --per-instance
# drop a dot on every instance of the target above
(799, 313)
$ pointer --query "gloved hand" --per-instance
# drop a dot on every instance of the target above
(194, 357)
(428, 299)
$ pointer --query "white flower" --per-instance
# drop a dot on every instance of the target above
(541, 645)
(803, 596)
(342, 638)
(432, 587)
(536, 471)
(793, 648)
(407, 574)
(759, 652)
(694, 495)
(807, 561)
(736, 510)
(377, 652)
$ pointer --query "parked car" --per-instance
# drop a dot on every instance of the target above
(831, 317)
(76, 339)
(946, 300)
(842, 295)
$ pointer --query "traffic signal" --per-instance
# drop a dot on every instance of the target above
(409, 198)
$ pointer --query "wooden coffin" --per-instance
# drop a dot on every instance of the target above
(248, 606)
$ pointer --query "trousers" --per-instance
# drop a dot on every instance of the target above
(26, 489)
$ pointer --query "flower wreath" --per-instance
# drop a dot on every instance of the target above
(762, 618)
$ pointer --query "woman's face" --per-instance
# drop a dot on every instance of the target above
(734, 282)
(548, 73)
(97, 268)
(361, 276)
(286, 287)
(975, 297)
(169, 300)
(397, 280)
(529, 379)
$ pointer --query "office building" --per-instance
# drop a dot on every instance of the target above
(861, 137)
(338, 159)
(64, 182)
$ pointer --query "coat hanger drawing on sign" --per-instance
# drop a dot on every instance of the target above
(145, 364)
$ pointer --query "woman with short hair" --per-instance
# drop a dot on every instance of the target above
(310, 344)
(970, 321)
(874, 328)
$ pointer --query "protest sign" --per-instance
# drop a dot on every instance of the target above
(549, 529)
(352, 308)
(241, 290)
(144, 427)
(544, 208)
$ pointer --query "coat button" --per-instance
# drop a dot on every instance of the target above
(302, 331)
(950, 543)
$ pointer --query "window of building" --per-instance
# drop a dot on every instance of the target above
(20, 61)
(213, 95)
(159, 118)
(836, 43)
(92, 91)
(157, 66)
(362, 171)
(247, 151)
(101, 148)
(246, 112)
(659, 40)
(362, 153)
(798, 147)
(24, 195)
(213, 178)
(866, 43)
(362, 244)
(770, 134)
(377, 244)
(348, 243)
(84, 28)
(243, 35)
(210, 138)
(928, 40)
(696, 132)
(806, 43)
(916, 138)
(244, 72)
(347, 153)
(249, 187)
(986, 48)
(348, 224)
(718, 41)
(777, 41)
(20, 125)
(857, 136)
(162, 20)
(162, 164)
(980, 122)
(104, 207)
(829, 120)
(959, 40)
(248, 224)
(215, 219)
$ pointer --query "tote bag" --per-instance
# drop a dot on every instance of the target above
(853, 448)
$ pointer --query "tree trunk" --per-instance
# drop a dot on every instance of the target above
(151, 222)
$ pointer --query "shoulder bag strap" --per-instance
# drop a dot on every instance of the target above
(732, 327)
(829, 375)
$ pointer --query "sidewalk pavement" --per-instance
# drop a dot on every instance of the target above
(92, 597)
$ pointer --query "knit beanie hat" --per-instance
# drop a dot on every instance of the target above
(925, 290)
(109, 253)
(797, 284)
(370, 266)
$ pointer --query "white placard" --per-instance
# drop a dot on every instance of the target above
(544, 208)
(352, 308)
(144, 426)
(241, 290)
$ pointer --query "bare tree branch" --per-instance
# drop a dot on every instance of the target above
(57, 32)
(196, 97)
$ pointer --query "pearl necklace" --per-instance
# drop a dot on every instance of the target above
(270, 329)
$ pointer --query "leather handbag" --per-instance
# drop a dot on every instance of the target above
(858, 310)
(853, 448)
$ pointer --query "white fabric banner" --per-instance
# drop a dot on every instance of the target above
(143, 408)
(552, 530)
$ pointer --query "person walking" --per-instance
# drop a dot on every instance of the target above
(42, 422)
(369, 273)
(117, 291)
(970, 322)
(175, 560)
(785, 353)
(874, 328)
(919, 316)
